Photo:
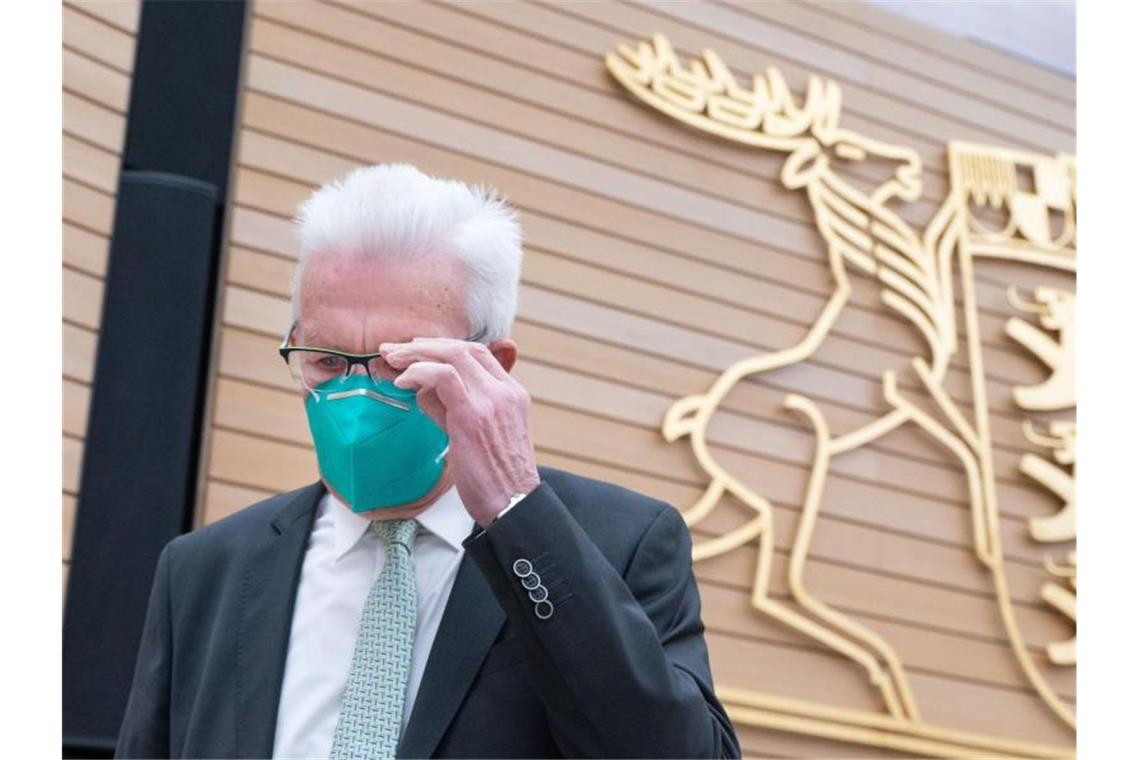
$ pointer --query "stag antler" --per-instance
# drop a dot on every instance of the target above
(707, 95)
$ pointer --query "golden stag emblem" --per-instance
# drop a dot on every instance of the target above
(918, 275)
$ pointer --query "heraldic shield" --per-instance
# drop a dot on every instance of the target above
(987, 286)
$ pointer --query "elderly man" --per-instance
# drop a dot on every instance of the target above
(436, 593)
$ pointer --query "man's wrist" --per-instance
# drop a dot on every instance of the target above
(515, 499)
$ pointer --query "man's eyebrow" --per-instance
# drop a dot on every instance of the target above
(316, 339)
(309, 337)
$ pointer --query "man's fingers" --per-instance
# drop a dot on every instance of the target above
(474, 371)
(443, 378)
(483, 355)
(478, 351)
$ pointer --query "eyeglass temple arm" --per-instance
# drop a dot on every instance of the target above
(285, 341)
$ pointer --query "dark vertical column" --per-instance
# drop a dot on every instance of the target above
(141, 458)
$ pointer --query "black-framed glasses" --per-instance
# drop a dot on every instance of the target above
(312, 367)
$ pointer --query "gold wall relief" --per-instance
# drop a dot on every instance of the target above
(1003, 205)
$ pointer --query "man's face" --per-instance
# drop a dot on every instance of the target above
(354, 304)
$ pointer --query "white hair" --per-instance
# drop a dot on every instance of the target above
(397, 211)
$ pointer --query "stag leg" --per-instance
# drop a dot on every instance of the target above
(895, 686)
(898, 701)
(796, 620)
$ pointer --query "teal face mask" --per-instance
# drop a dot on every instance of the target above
(375, 447)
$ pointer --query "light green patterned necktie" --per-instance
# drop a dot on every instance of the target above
(371, 711)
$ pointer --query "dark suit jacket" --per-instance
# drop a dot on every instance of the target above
(619, 669)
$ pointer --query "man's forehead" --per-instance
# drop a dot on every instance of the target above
(338, 279)
(317, 331)
(311, 331)
(349, 304)
(364, 336)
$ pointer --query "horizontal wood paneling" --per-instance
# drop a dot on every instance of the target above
(87, 207)
(354, 109)
(119, 14)
(93, 122)
(72, 460)
(84, 250)
(76, 397)
(96, 167)
(655, 257)
(82, 298)
(78, 352)
(470, 100)
(98, 56)
(428, 39)
(96, 81)
(91, 35)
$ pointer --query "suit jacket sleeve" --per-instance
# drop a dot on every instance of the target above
(621, 664)
(145, 730)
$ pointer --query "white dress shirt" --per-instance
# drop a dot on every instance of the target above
(342, 561)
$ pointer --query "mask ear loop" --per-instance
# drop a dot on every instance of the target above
(442, 453)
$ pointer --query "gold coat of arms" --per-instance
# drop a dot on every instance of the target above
(1008, 209)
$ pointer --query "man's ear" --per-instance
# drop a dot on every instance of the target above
(506, 351)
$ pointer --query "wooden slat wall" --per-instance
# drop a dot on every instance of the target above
(98, 55)
(655, 257)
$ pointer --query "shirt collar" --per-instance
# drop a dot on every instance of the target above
(446, 518)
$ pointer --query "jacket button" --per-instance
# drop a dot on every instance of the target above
(539, 594)
(522, 568)
(531, 582)
(543, 610)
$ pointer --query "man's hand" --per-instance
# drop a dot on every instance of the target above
(485, 411)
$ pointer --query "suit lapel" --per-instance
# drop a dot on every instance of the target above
(470, 623)
(269, 587)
